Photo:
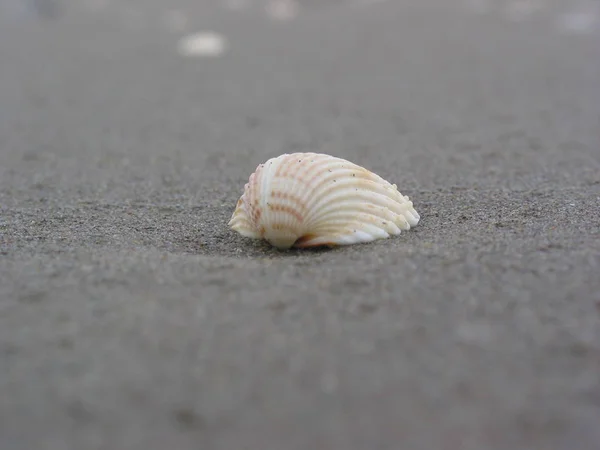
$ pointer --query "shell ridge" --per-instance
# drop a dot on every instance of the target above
(295, 187)
(281, 222)
(346, 208)
(241, 223)
(320, 168)
(297, 173)
(264, 194)
(250, 196)
(287, 211)
(359, 196)
(383, 221)
(321, 192)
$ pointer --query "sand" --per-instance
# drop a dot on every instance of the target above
(132, 318)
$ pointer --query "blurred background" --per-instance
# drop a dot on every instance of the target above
(136, 89)
(181, 16)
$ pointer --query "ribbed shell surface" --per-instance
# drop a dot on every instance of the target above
(312, 199)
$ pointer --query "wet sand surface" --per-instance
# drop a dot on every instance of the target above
(132, 318)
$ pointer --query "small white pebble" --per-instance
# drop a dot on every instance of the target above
(202, 44)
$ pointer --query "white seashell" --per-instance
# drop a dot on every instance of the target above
(312, 199)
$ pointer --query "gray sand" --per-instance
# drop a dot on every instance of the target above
(131, 318)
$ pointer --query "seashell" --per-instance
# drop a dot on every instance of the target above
(312, 199)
